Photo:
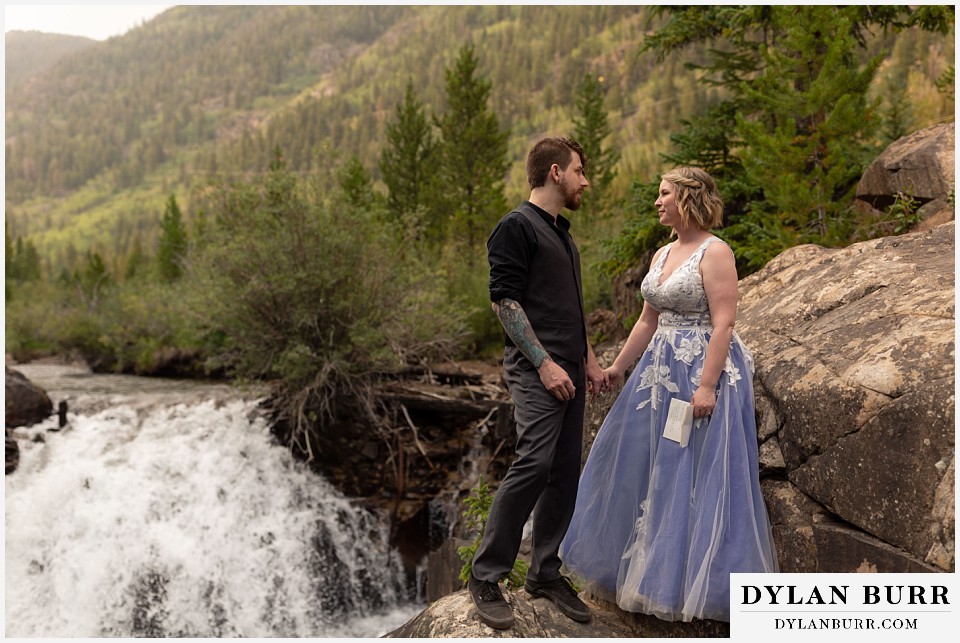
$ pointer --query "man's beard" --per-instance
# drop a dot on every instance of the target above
(571, 197)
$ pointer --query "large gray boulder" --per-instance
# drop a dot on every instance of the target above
(920, 165)
(854, 353)
(454, 616)
(26, 403)
(12, 450)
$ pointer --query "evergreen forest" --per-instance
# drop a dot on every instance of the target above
(302, 194)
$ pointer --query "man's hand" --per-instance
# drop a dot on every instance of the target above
(556, 380)
(597, 381)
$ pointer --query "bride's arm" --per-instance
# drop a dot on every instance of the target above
(719, 272)
(640, 336)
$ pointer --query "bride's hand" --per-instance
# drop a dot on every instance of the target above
(614, 377)
(704, 401)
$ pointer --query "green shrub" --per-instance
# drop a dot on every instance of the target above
(300, 287)
(476, 511)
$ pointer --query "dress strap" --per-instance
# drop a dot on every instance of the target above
(658, 267)
(698, 253)
(663, 255)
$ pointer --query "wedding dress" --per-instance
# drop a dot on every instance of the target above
(658, 528)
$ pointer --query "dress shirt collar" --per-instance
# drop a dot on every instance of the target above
(562, 222)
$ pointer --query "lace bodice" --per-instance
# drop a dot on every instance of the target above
(683, 328)
(681, 296)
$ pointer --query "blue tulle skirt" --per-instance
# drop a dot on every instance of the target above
(659, 528)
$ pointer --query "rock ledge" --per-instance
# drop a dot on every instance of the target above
(454, 616)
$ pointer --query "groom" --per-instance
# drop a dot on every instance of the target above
(548, 363)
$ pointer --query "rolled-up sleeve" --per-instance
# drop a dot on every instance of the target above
(509, 249)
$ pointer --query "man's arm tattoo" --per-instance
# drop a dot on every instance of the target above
(518, 328)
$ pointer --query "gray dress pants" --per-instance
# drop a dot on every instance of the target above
(544, 477)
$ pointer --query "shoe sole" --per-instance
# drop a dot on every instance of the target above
(580, 617)
(497, 625)
(492, 622)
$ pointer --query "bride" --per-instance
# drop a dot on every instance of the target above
(659, 526)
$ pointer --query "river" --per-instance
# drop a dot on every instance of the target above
(165, 508)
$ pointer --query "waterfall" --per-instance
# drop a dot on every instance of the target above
(173, 513)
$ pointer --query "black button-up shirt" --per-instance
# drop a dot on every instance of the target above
(510, 247)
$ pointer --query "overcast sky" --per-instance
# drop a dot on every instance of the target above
(97, 21)
(101, 21)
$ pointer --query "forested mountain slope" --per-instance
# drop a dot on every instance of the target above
(98, 141)
(30, 52)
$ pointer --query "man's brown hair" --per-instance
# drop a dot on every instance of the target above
(546, 152)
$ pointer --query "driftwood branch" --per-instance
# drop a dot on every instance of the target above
(416, 437)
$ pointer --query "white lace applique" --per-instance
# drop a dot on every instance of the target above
(636, 550)
(688, 350)
(733, 373)
(653, 377)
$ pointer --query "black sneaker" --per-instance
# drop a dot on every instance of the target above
(562, 594)
(491, 606)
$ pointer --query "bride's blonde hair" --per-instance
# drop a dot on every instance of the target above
(697, 197)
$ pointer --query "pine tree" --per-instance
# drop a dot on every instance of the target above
(8, 262)
(29, 261)
(788, 139)
(136, 260)
(280, 188)
(92, 280)
(473, 156)
(591, 128)
(897, 117)
(946, 83)
(356, 184)
(808, 148)
(21, 259)
(172, 245)
(407, 162)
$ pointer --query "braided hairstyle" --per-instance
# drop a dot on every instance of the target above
(697, 197)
